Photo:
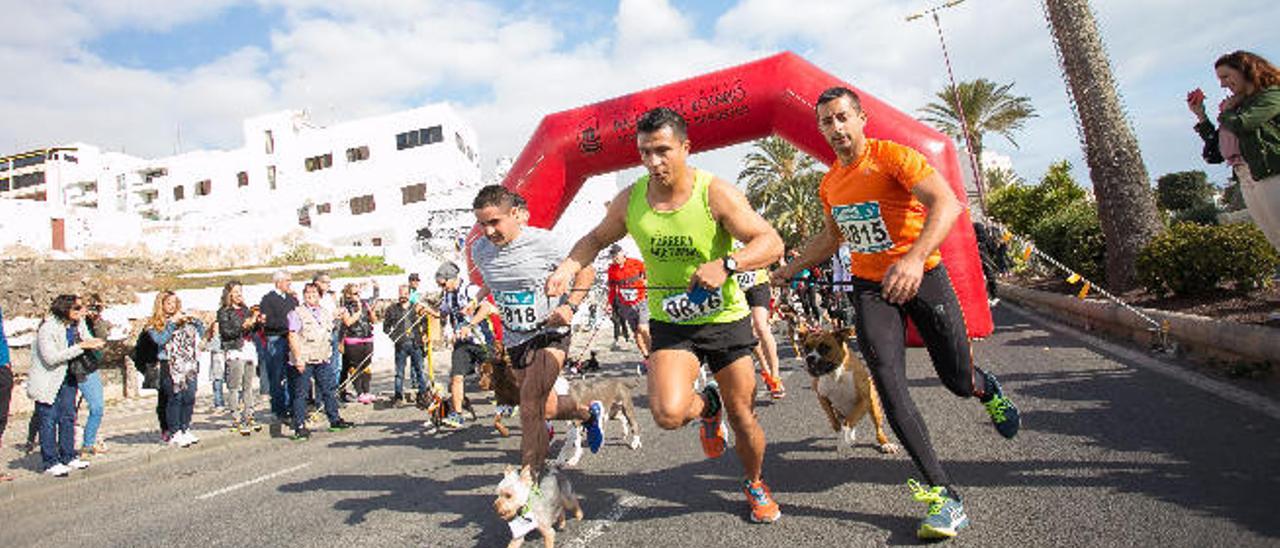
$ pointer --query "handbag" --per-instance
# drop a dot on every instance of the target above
(83, 365)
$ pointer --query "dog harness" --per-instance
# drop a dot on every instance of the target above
(523, 523)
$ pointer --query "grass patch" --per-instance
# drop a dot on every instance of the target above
(358, 266)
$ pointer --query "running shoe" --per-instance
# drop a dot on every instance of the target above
(945, 517)
(301, 434)
(245, 429)
(58, 470)
(713, 435)
(763, 508)
(595, 426)
(191, 437)
(77, 464)
(341, 425)
(1004, 414)
(454, 421)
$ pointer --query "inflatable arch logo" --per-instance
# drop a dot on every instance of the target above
(773, 95)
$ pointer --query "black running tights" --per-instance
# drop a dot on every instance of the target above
(881, 330)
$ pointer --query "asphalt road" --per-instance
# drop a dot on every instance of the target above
(1112, 452)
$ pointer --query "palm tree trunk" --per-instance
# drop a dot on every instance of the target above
(1126, 204)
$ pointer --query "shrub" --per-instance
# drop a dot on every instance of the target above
(1183, 190)
(300, 253)
(1073, 235)
(1022, 206)
(1205, 213)
(1190, 259)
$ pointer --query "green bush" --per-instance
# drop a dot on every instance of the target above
(369, 265)
(1190, 259)
(1073, 235)
(1183, 190)
(1021, 206)
(302, 253)
(1204, 213)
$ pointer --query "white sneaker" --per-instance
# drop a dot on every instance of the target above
(180, 439)
(58, 470)
(191, 437)
(77, 464)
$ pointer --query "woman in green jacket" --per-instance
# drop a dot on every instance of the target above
(1252, 113)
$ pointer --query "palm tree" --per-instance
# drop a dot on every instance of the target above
(1126, 204)
(775, 164)
(795, 211)
(987, 108)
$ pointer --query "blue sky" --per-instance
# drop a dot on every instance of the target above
(123, 74)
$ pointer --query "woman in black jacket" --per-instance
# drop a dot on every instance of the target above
(236, 323)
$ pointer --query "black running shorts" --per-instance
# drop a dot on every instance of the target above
(716, 344)
(521, 354)
(758, 295)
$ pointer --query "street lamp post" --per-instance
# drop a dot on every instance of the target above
(955, 97)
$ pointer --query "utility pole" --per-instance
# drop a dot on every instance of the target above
(955, 97)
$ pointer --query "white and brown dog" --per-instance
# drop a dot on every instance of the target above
(544, 506)
(843, 385)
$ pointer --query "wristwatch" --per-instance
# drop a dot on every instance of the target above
(573, 308)
(730, 264)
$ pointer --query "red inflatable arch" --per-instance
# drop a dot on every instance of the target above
(726, 107)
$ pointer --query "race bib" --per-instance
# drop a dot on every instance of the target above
(747, 280)
(863, 227)
(680, 309)
(629, 294)
(519, 309)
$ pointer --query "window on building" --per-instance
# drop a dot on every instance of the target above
(27, 161)
(242, 179)
(377, 242)
(270, 142)
(323, 209)
(363, 204)
(419, 137)
(179, 193)
(414, 193)
(271, 177)
(304, 216)
(5, 184)
(316, 163)
(358, 154)
(28, 180)
(203, 188)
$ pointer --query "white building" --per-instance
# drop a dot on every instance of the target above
(380, 181)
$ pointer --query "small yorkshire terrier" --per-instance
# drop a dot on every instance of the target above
(526, 507)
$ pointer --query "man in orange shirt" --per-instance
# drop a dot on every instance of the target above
(894, 210)
(627, 296)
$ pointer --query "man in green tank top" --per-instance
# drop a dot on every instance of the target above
(684, 220)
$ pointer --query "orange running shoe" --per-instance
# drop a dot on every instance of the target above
(712, 433)
(763, 508)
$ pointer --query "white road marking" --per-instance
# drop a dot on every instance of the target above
(259, 479)
(614, 514)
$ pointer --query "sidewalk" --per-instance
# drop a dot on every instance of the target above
(132, 434)
(131, 431)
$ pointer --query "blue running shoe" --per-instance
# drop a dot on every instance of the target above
(946, 515)
(595, 424)
(1004, 414)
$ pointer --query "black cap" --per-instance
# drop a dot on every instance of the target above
(614, 250)
(414, 277)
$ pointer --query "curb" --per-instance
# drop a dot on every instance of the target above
(1196, 336)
